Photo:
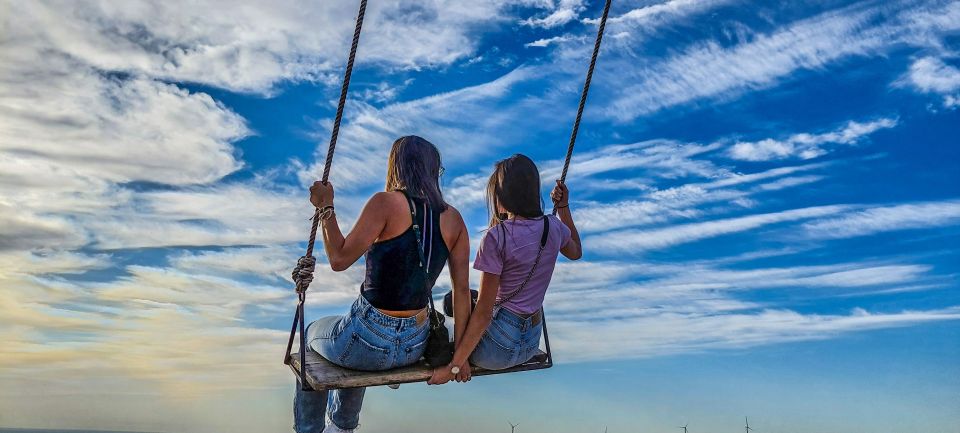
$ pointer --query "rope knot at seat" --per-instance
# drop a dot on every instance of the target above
(303, 273)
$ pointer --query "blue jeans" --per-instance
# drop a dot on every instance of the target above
(510, 340)
(363, 339)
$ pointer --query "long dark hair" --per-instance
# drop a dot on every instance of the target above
(515, 187)
(414, 166)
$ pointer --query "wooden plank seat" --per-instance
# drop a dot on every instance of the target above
(323, 375)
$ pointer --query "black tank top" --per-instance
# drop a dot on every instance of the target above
(394, 280)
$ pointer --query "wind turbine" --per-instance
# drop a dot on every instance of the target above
(747, 425)
(512, 426)
(684, 427)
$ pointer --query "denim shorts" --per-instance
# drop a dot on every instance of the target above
(366, 339)
(510, 339)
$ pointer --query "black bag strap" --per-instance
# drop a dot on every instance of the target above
(543, 243)
(423, 262)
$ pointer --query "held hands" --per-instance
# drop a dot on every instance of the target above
(444, 374)
(560, 195)
(321, 194)
(465, 374)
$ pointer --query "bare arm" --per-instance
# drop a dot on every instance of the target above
(561, 202)
(460, 280)
(342, 252)
(479, 321)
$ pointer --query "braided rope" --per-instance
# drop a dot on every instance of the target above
(583, 95)
(335, 133)
(303, 272)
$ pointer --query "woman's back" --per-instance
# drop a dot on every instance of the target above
(510, 248)
(394, 280)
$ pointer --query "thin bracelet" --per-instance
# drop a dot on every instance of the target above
(561, 207)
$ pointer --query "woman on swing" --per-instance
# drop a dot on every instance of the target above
(516, 257)
(387, 325)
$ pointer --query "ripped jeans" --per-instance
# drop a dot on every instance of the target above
(363, 339)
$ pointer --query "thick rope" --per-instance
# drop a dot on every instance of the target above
(583, 95)
(303, 284)
(335, 132)
(303, 272)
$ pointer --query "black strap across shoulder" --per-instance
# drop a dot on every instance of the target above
(543, 243)
(418, 234)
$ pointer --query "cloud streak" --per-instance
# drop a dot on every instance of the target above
(709, 70)
(881, 219)
(807, 146)
(637, 241)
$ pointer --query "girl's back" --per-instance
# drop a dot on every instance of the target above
(510, 248)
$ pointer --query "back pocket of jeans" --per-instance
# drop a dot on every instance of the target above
(361, 354)
(412, 352)
(502, 336)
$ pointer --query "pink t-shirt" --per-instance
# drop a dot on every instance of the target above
(509, 250)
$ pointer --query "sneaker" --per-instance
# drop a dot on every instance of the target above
(332, 428)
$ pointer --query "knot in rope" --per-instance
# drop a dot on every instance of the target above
(303, 272)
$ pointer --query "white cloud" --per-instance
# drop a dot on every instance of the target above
(807, 146)
(658, 14)
(545, 42)
(711, 70)
(641, 240)
(886, 218)
(933, 75)
(70, 135)
(250, 48)
(656, 309)
(230, 214)
(658, 334)
(564, 12)
(365, 138)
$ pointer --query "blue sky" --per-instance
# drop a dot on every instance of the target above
(768, 195)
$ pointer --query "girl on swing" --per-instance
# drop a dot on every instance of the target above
(387, 325)
(516, 257)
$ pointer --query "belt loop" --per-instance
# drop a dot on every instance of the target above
(365, 308)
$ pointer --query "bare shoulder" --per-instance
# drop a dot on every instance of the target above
(387, 200)
(451, 216)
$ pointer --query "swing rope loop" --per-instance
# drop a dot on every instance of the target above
(303, 272)
(583, 95)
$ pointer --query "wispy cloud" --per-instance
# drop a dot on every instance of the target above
(541, 43)
(368, 133)
(654, 15)
(278, 41)
(886, 218)
(933, 75)
(672, 333)
(562, 13)
(636, 241)
(711, 70)
(807, 146)
(655, 309)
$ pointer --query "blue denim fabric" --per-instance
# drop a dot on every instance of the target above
(510, 340)
(363, 339)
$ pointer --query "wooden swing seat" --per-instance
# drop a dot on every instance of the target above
(325, 375)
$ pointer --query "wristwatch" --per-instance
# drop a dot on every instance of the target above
(455, 369)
